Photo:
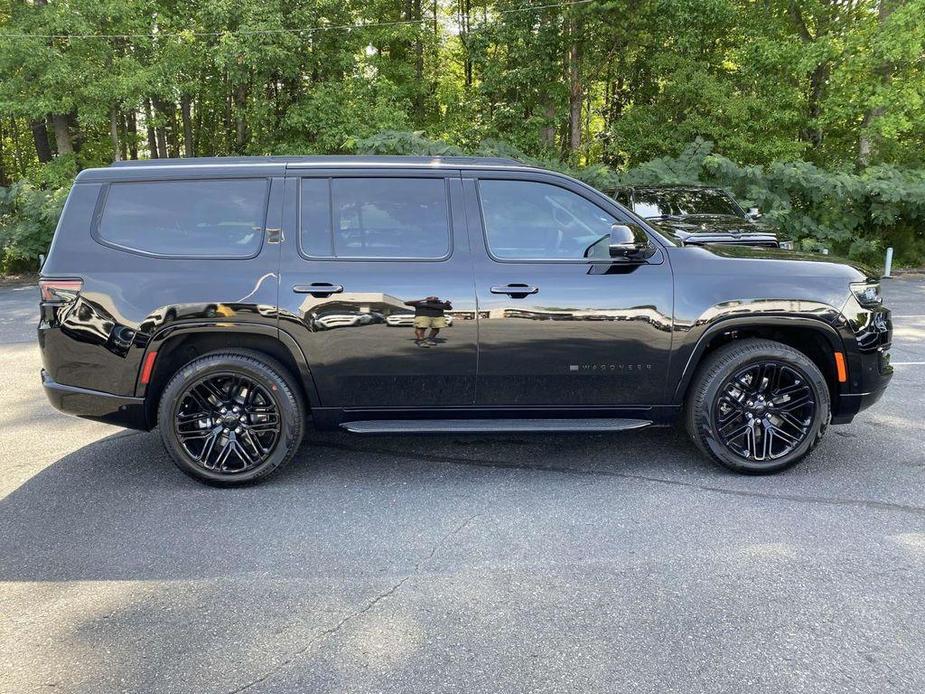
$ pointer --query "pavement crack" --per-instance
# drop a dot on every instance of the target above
(566, 470)
(330, 631)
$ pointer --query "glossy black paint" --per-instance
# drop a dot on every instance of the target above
(597, 338)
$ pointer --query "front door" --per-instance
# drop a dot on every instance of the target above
(376, 285)
(560, 323)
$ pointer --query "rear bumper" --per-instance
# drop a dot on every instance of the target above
(93, 404)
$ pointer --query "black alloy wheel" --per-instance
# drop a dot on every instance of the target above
(231, 418)
(227, 423)
(764, 411)
(757, 406)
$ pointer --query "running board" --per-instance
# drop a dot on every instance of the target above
(482, 426)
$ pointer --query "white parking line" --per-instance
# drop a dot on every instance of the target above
(907, 363)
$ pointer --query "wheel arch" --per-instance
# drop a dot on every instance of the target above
(178, 345)
(816, 339)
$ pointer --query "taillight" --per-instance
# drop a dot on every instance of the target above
(60, 290)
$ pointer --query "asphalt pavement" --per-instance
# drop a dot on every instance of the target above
(548, 563)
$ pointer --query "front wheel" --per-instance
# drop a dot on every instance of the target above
(758, 406)
(231, 418)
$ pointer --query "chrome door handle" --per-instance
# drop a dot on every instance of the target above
(320, 289)
(518, 291)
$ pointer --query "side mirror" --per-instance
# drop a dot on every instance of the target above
(629, 243)
(753, 213)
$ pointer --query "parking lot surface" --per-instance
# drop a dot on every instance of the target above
(553, 563)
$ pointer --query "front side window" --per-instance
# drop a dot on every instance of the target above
(375, 218)
(204, 218)
(527, 220)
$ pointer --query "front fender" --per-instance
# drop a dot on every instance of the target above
(693, 338)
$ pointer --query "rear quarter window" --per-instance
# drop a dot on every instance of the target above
(193, 218)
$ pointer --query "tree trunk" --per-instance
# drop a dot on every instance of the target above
(548, 132)
(62, 134)
(131, 134)
(576, 96)
(189, 148)
(419, 105)
(867, 144)
(149, 125)
(812, 133)
(463, 22)
(197, 131)
(40, 137)
(123, 135)
(114, 134)
(240, 101)
(4, 180)
(173, 129)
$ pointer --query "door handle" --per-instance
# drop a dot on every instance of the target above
(319, 289)
(517, 291)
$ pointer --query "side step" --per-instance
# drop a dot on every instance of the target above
(482, 426)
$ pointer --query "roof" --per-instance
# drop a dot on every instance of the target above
(324, 161)
(242, 167)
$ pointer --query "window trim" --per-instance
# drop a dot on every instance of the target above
(374, 259)
(104, 197)
(555, 261)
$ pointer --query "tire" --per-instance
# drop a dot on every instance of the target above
(259, 431)
(724, 399)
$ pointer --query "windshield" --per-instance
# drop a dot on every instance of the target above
(682, 202)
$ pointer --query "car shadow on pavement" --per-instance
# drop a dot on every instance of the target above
(118, 509)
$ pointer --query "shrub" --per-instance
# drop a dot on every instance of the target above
(27, 221)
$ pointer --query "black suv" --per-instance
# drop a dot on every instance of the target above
(230, 301)
(698, 215)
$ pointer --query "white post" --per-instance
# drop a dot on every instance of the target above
(888, 263)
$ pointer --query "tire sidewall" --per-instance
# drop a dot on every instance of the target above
(269, 379)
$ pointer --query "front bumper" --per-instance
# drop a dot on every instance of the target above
(93, 404)
(868, 363)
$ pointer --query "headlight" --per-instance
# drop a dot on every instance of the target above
(867, 293)
(786, 245)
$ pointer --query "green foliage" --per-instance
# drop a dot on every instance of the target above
(818, 106)
(27, 220)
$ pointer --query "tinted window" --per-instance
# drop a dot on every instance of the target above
(375, 218)
(682, 202)
(186, 218)
(530, 220)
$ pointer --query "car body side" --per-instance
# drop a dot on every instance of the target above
(133, 305)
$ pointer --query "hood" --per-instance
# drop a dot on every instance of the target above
(838, 265)
(702, 225)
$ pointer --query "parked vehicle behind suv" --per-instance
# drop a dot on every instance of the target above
(699, 214)
(230, 301)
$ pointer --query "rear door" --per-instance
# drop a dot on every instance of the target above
(560, 323)
(360, 247)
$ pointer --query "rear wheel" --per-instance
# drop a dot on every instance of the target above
(758, 406)
(231, 418)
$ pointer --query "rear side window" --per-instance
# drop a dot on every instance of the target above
(205, 218)
(375, 218)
